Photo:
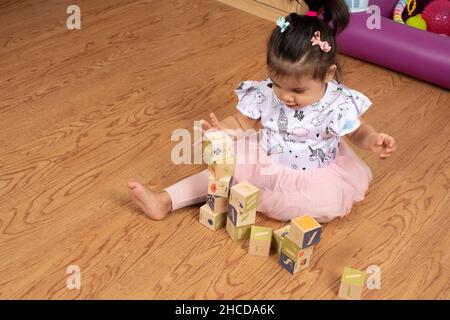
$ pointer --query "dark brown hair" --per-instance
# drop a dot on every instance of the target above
(291, 53)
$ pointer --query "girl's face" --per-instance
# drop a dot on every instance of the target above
(298, 93)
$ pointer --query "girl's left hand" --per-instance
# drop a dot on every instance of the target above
(383, 145)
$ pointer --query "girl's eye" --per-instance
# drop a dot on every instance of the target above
(299, 91)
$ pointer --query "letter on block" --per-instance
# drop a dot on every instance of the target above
(287, 263)
(217, 204)
(238, 233)
(278, 235)
(260, 239)
(244, 196)
(211, 220)
(217, 146)
(239, 218)
(352, 284)
(303, 259)
(305, 231)
(220, 187)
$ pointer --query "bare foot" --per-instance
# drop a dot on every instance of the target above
(156, 205)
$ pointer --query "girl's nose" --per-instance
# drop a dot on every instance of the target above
(286, 97)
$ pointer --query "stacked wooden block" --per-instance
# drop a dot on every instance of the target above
(218, 154)
(295, 243)
(244, 199)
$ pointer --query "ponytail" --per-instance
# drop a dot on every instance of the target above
(334, 11)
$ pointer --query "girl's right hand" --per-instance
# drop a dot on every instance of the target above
(214, 125)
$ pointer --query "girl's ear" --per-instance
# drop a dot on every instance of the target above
(331, 73)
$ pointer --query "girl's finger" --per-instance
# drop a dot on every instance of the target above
(214, 121)
(380, 140)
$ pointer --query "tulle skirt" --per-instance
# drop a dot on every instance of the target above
(324, 193)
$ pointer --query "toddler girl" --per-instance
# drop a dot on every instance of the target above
(304, 114)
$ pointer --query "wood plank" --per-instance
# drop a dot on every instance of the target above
(83, 111)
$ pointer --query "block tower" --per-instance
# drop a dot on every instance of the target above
(243, 202)
(218, 154)
(295, 243)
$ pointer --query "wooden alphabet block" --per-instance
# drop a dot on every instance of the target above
(211, 220)
(220, 169)
(278, 236)
(352, 284)
(239, 218)
(244, 196)
(303, 260)
(305, 231)
(220, 187)
(293, 251)
(217, 146)
(238, 233)
(260, 239)
(217, 204)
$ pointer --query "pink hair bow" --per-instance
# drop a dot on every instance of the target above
(324, 46)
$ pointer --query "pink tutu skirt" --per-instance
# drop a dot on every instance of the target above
(324, 193)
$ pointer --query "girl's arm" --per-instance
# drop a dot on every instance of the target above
(239, 121)
(362, 137)
(366, 137)
(236, 121)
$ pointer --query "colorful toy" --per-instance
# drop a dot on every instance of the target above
(211, 220)
(409, 12)
(432, 16)
(260, 239)
(413, 8)
(352, 284)
(398, 11)
(437, 16)
(382, 41)
(417, 22)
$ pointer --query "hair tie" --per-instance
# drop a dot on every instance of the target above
(282, 23)
(312, 13)
(323, 45)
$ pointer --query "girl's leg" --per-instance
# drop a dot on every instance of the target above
(189, 191)
(157, 205)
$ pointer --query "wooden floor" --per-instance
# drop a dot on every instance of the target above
(82, 111)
